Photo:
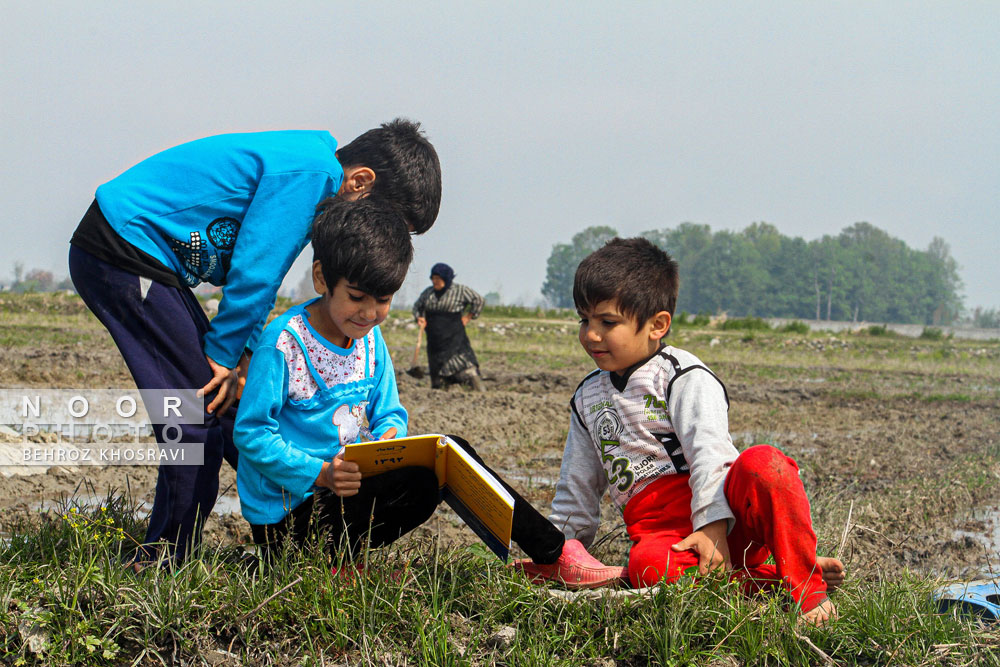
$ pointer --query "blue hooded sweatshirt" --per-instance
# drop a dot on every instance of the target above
(284, 442)
(233, 210)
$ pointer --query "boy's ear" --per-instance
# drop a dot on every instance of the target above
(358, 182)
(660, 325)
(319, 282)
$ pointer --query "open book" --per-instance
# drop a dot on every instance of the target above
(469, 488)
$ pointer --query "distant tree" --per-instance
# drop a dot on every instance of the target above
(492, 298)
(827, 277)
(36, 280)
(784, 287)
(986, 318)
(944, 286)
(791, 280)
(562, 263)
(859, 244)
(730, 277)
(687, 244)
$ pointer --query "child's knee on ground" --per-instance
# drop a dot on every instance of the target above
(767, 467)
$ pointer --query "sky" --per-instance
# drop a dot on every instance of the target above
(548, 117)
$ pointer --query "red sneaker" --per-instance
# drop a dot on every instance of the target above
(576, 568)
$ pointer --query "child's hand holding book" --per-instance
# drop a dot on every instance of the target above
(340, 476)
(344, 477)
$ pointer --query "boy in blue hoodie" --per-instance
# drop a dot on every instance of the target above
(233, 210)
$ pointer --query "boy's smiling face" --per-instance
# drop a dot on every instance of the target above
(346, 312)
(611, 339)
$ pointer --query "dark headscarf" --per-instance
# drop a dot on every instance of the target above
(446, 274)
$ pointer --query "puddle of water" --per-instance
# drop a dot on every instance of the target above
(989, 537)
(227, 505)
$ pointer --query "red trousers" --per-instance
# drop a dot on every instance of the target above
(765, 493)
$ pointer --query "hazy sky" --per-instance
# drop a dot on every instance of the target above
(548, 117)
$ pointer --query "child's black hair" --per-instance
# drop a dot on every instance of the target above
(406, 166)
(366, 242)
(638, 275)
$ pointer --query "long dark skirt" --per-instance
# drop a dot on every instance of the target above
(449, 351)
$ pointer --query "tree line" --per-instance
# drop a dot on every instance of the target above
(861, 274)
(35, 280)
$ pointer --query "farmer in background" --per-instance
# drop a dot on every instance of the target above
(443, 310)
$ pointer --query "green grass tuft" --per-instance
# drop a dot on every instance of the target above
(932, 333)
(880, 330)
(70, 599)
(796, 327)
(745, 324)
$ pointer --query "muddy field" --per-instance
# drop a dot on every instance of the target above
(897, 438)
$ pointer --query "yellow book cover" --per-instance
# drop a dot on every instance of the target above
(470, 489)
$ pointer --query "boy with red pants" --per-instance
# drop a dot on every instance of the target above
(651, 426)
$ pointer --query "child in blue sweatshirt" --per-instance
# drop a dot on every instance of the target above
(320, 376)
(233, 210)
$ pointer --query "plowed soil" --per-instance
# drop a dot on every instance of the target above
(897, 439)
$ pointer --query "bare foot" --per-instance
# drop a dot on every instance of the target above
(820, 615)
(833, 572)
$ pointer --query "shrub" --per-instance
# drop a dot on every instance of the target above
(932, 333)
(879, 330)
(700, 320)
(797, 327)
(746, 324)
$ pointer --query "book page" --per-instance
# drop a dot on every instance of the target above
(480, 492)
(381, 456)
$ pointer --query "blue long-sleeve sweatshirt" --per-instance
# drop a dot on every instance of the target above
(233, 210)
(284, 442)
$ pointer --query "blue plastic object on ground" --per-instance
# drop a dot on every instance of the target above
(981, 598)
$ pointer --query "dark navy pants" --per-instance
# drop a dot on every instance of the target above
(159, 330)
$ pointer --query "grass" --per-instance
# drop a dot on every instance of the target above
(521, 312)
(932, 333)
(880, 330)
(45, 303)
(25, 335)
(745, 324)
(796, 327)
(548, 343)
(846, 352)
(67, 599)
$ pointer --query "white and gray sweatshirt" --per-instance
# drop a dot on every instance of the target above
(665, 416)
